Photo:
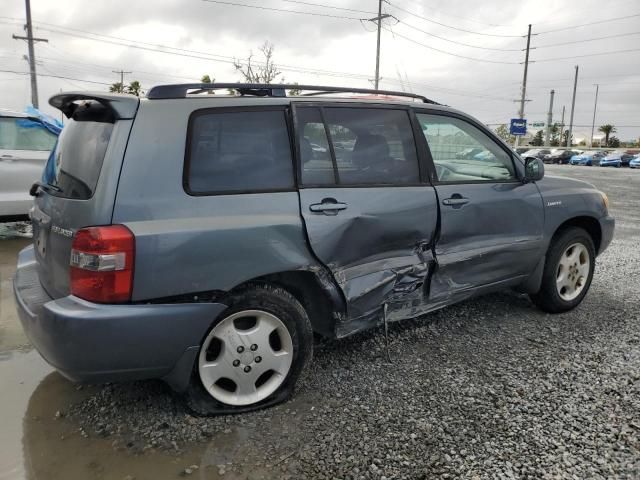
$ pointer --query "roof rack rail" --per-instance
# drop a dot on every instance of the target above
(267, 90)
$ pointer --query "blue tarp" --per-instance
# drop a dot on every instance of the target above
(52, 124)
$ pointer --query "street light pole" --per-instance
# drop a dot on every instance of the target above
(524, 82)
(573, 106)
(547, 135)
(593, 123)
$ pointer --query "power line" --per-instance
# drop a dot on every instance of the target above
(471, 19)
(193, 53)
(452, 54)
(447, 26)
(330, 6)
(589, 24)
(273, 9)
(588, 40)
(459, 43)
(55, 76)
(630, 50)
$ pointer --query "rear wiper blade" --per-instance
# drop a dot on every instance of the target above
(33, 191)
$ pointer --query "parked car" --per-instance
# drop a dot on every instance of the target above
(25, 143)
(616, 159)
(635, 162)
(536, 153)
(587, 158)
(173, 240)
(485, 156)
(468, 152)
(521, 150)
(559, 156)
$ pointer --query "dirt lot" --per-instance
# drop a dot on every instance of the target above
(491, 388)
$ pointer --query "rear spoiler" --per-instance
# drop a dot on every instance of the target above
(123, 106)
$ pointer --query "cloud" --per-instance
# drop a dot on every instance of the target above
(486, 90)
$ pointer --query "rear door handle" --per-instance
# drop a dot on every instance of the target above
(455, 201)
(328, 206)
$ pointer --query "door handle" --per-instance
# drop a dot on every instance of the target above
(7, 157)
(455, 201)
(328, 206)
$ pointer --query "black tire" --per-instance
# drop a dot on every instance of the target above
(282, 304)
(548, 298)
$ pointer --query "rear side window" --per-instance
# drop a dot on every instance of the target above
(76, 161)
(25, 134)
(371, 146)
(240, 151)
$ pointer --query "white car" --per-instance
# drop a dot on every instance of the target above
(24, 149)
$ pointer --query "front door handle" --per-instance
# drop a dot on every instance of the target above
(455, 201)
(328, 206)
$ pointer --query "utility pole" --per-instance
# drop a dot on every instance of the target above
(573, 106)
(524, 82)
(593, 123)
(32, 56)
(121, 72)
(547, 136)
(378, 20)
(561, 128)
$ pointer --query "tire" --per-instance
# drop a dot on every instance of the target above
(551, 297)
(267, 306)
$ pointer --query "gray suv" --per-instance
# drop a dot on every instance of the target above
(204, 238)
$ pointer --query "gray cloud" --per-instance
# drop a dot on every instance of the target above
(486, 90)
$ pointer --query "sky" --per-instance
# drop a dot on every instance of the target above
(465, 53)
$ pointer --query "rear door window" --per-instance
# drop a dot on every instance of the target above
(238, 151)
(76, 161)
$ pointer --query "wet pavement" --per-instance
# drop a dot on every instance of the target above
(37, 441)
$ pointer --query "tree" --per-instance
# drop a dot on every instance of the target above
(134, 88)
(537, 141)
(264, 72)
(208, 79)
(613, 142)
(503, 132)
(607, 129)
(294, 91)
(116, 88)
(565, 138)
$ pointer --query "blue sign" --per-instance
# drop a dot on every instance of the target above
(518, 126)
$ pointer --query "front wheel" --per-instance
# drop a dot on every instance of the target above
(568, 271)
(252, 357)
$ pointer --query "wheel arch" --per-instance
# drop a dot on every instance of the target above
(315, 290)
(590, 224)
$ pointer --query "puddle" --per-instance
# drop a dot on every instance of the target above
(39, 443)
(35, 444)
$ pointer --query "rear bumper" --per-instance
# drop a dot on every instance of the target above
(607, 226)
(103, 343)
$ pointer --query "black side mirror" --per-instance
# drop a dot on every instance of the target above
(533, 169)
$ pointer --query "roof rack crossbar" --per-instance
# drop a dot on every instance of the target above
(268, 90)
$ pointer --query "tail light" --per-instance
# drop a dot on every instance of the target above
(102, 264)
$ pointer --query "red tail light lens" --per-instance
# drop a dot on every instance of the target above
(102, 264)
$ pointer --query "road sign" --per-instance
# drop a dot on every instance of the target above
(518, 126)
(537, 124)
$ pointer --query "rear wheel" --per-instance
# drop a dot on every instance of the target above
(568, 271)
(252, 357)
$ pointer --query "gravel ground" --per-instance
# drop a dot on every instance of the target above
(491, 388)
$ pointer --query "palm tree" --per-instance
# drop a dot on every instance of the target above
(134, 88)
(607, 130)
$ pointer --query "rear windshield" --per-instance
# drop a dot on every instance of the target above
(76, 161)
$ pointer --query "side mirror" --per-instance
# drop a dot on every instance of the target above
(533, 169)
